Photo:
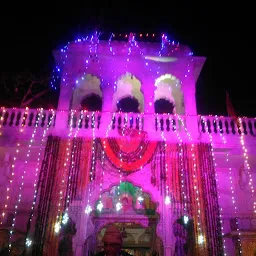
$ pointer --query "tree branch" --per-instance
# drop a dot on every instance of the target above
(26, 103)
(27, 93)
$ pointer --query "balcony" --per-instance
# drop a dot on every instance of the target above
(99, 124)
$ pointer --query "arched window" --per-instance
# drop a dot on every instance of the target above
(168, 96)
(92, 102)
(128, 104)
(128, 96)
(164, 106)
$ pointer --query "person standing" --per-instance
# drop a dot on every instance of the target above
(113, 241)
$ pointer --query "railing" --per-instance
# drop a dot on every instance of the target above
(130, 120)
(151, 123)
(227, 125)
(10, 118)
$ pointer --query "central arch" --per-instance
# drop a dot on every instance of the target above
(168, 97)
(137, 218)
(128, 96)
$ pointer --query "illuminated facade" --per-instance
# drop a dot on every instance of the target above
(126, 146)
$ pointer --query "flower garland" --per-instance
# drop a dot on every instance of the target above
(136, 152)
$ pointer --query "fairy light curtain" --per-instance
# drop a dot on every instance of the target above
(136, 153)
(212, 243)
(51, 183)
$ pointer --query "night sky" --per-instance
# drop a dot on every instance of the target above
(29, 33)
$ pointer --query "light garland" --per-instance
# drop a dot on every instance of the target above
(217, 181)
(166, 197)
(88, 208)
(200, 238)
(25, 116)
(65, 167)
(246, 163)
(13, 164)
(39, 156)
(102, 163)
(2, 118)
(22, 179)
(81, 116)
(10, 183)
(180, 145)
(224, 140)
(119, 205)
(140, 116)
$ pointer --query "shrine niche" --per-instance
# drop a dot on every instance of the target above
(132, 200)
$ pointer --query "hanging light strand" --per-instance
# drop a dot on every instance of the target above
(65, 168)
(81, 116)
(182, 174)
(17, 151)
(217, 181)
(246, 162)
(32, 139)
(232, 184)
(39, 158)
(200, 238)
(88, 208)
(103, 158)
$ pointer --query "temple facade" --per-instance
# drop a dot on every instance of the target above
(126, 146)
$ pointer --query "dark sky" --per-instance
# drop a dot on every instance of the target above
(30, 31)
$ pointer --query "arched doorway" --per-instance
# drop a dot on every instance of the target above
(134, 213)
(137, 239)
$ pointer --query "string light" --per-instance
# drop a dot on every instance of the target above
(3, 111)
(39, 157)
(246, 163)
(140, 117)
(88, 208)
(22, 178)
(167, 198)
(25, 116)
(93, 44)
(17, 151)
(81, 116)
(65, 168)
(119, 205)
(200, 238)
(217, 181)
(180, 145)
(103, 161)
(224, 140)
(10, 183)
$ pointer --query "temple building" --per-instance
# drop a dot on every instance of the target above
(126, 146)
